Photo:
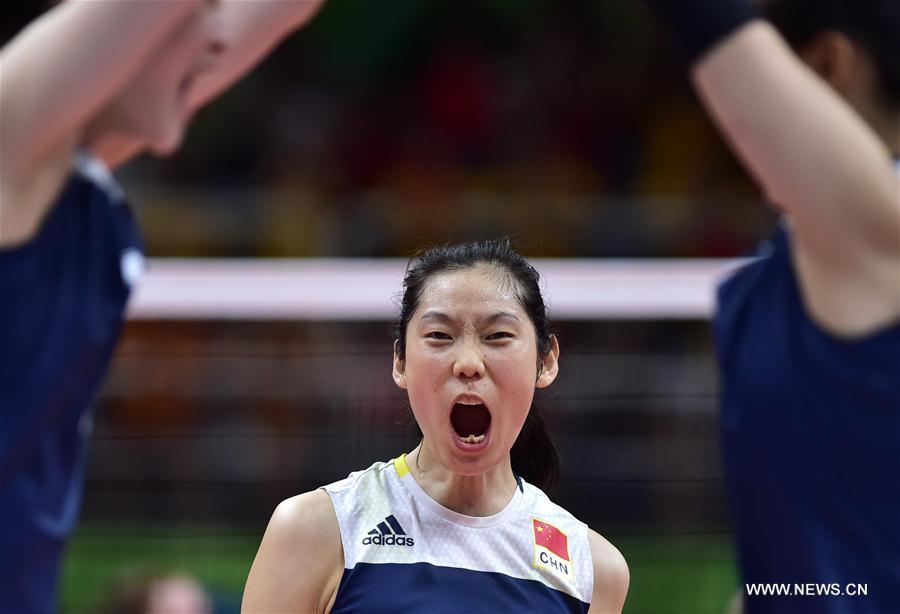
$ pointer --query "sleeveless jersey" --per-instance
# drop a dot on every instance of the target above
(62, 297)
(403, 551)
(811, 442)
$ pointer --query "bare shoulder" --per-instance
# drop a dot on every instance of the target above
(611, 575)
(302, 534)
(305, 517)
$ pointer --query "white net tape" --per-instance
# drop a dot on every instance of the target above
(364, 289)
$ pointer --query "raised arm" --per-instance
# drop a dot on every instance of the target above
(252, 30)
(812, 154)
(67, 65)
(300, 561)
(67, 68)
(55, 77)
(810, 151)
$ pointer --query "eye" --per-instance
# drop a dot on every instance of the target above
(438, 335)
(500, 335)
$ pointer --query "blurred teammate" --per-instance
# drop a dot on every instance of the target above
(808, 336)
(84, 88)
(456, 525)
(145, 592)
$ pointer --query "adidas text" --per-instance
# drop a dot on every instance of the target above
(388, 540)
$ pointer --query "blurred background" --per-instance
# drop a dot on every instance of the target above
(382, 127)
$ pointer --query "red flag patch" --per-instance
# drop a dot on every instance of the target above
(551, 538)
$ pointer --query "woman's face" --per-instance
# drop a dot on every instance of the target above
(471, 367)
(155, 105)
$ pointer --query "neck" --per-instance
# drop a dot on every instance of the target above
(484, 494)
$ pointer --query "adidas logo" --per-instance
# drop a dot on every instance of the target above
(388, 533)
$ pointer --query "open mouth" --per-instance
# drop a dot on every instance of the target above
(470, 421)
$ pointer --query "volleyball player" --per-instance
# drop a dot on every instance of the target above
(808, 335)
(459, 524)
(84, 88)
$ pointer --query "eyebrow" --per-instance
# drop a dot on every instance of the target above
(440, 316)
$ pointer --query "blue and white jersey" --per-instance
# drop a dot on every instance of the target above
(62, 298)
(405, 551)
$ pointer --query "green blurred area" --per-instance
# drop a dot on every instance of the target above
(689, 574)
(669, 574)
(100, 555)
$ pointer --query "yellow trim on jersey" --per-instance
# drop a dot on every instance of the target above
(401, 466)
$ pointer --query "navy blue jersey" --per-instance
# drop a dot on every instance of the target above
(811, 441)
(62, 298)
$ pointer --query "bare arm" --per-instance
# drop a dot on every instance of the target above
(252, 30)
(55, 76)
(67, 65)
(611, 577)
(299, 564)
(816, 158)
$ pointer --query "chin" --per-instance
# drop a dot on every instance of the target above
(166, 146)
(167, 135)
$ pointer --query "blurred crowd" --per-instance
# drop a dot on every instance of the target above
(385, 126)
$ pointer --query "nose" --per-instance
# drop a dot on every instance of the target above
(217, 47)
(469, 363)
(217, 34)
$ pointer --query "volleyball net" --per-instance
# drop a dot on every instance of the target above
(239, 383)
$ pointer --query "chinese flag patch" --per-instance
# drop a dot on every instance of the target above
(551, 538)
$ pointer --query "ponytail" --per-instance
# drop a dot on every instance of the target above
(534, 456)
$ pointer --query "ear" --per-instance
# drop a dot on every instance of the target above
(836, 58)
(549, 364)
(399, 370)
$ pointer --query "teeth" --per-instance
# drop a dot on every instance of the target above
(470, 403)
(473, 438)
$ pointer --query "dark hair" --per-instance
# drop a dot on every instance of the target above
(872, 24)
(533, 455)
